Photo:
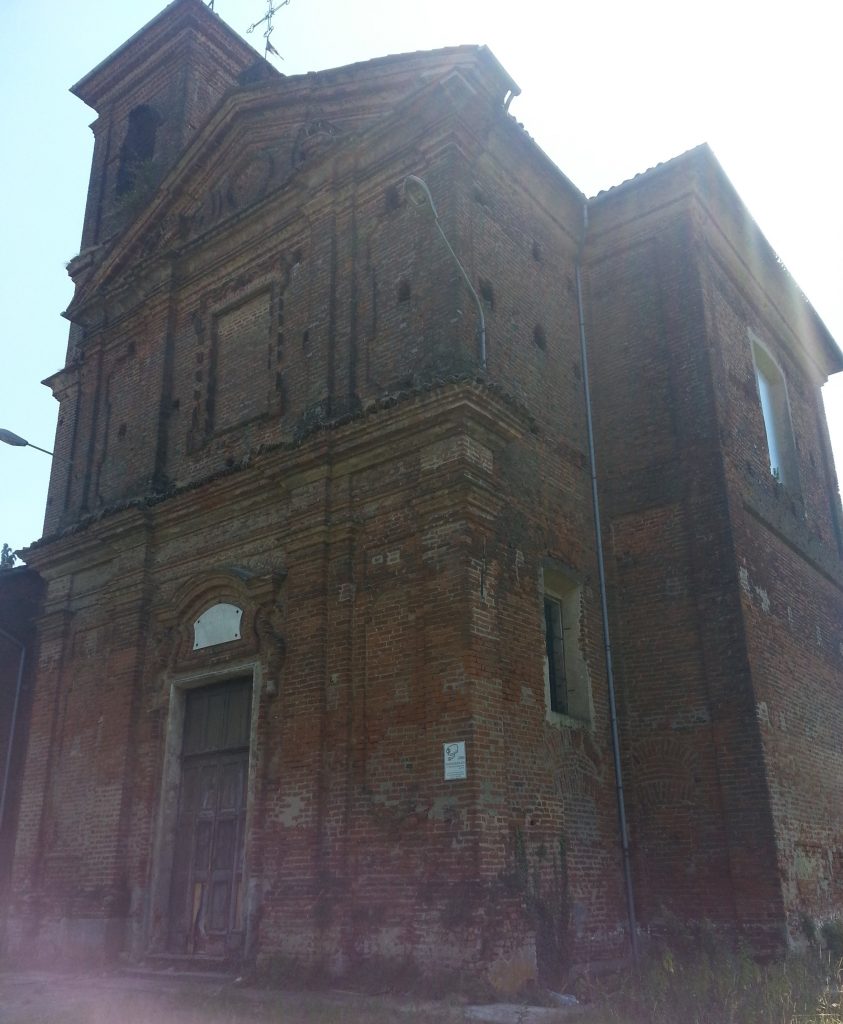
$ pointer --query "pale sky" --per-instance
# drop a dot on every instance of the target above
(608, 90)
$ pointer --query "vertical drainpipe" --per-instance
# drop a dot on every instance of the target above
(604, 605)
(7, 768)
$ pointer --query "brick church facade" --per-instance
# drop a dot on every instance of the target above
(330, 669)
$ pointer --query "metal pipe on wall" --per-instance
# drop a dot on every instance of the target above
(604, 604)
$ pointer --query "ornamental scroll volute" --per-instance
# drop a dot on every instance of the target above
(224, 616)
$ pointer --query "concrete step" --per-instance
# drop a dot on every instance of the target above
(514, 1013)
(174, 963)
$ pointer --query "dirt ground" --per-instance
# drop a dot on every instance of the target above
(123, 998)
(135, 997)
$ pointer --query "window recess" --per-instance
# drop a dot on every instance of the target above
(775, 410)
(566, 683)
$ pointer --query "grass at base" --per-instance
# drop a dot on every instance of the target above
(720, 986)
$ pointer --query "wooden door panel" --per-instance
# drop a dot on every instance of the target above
(205, 913)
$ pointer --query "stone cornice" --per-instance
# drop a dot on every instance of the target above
(403, 421)
(164, 33)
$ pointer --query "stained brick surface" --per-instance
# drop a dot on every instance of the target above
(274, 398)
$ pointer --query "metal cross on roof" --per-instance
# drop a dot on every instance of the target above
(272, 8)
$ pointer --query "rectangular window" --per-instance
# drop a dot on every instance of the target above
(554, 640)
(566, 682)
(772, 394)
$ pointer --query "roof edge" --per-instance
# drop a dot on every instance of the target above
(86, 89)
(701, 160)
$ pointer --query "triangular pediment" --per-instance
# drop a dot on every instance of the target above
(263, 139)
(251, 153)
(243, 154)
(271, 136)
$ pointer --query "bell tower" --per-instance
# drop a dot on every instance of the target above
(151, 95)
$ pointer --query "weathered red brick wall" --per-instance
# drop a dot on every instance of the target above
(180, 67)
(555, 816)
(701, 536)
(272, 399)
(787, 539)
(358, 848)
(352, 294)
(20, 597)
(700, 818)
(412, 606)
(793, 614)
(70, 858)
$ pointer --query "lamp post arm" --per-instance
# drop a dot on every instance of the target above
(7, 437)
(44, 450)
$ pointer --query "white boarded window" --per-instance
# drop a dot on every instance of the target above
(219, 624)
(772, 395)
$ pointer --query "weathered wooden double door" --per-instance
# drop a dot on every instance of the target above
(206, 896)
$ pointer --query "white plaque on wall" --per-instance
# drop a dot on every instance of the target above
(218, 624)
(454, 755)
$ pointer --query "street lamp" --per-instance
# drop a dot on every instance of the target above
(418, 193)
(9, 438)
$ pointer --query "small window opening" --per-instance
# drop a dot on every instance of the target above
(772, 394)
(479, 196)
(554, 642)
(539, 337)
(566, 681)
(487, 293)
(393, 198)
(404, 290)
(537, 252)
(138, 146)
